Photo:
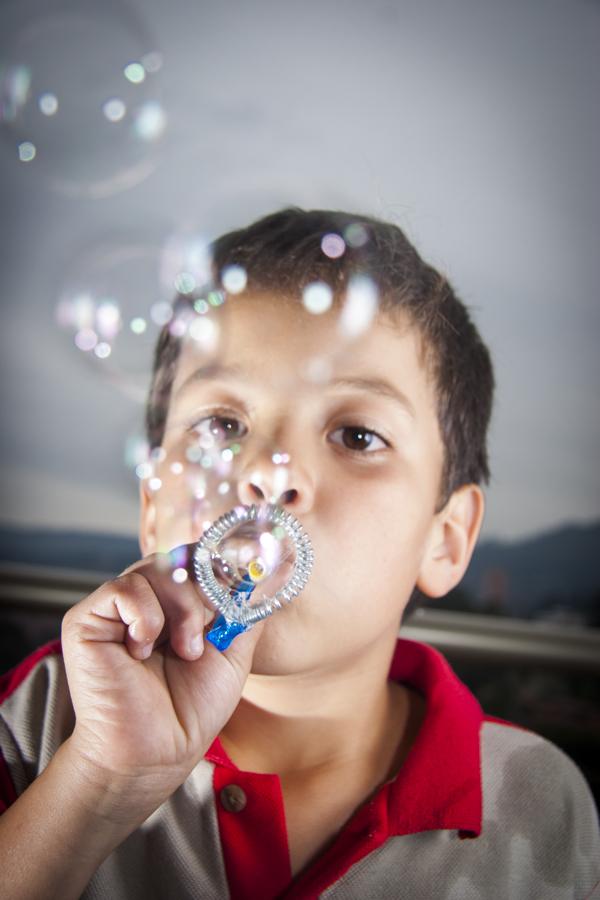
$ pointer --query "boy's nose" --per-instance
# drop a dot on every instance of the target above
(287, 485)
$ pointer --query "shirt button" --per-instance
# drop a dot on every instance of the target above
(233, 798)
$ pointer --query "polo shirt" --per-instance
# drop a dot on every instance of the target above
(480, 809)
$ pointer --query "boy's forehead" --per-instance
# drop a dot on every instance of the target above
(274, 338)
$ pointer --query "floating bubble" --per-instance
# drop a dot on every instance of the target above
(138, 325)
(86, 339)
(318, 370)
(356, 235)
(115, 290)
(155, 483)
(224, 487)
(317, 297)
(144, 470)
(73, 85)
(176, 468)
(48, 104)
(134, 72)
(27, 151)
(150, 121)
(102, 350)
(186, 256)
(333, 245)
(234, 279)
(280, 459)
(360, 307)
(114, 110)
(180, 575)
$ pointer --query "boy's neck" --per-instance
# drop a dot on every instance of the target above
(318, 721)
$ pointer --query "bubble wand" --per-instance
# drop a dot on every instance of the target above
(241, 564)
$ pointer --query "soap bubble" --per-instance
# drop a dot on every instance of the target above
(117, 296)
(80, 97)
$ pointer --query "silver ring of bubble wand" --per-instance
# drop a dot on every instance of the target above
(234, 602)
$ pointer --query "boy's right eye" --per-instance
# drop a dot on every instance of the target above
(222, 428)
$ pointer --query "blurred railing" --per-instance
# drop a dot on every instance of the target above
(471, 637)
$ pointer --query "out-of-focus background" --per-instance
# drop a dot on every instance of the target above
(132, 133)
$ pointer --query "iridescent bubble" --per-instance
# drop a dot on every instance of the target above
(333, 245)
(138, 325)
(224, 488)
(150, 121)
(155, 483)
(356, 235)
(360, 307)
(86, 339)
(280, 459)
(102, 350)
(63, 91)
(317, 297)
(144, 470)
(180, 575)
(114, 109)
(176, 468)
(134, 72)
(187, 255)
(48, 104)
(115, 290)
(27, 151)
(317, 370)
(234, 279)
(205, 334)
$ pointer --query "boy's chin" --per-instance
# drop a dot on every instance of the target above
(283, 647)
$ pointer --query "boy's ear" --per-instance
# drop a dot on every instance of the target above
(147, 534)
(451, 541)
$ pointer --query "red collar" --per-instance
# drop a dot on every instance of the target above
(439, 784)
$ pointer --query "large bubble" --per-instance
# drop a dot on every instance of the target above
(80, 98)
(117, 296)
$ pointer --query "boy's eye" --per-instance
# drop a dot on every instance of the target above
(221, 428)
(358, 438)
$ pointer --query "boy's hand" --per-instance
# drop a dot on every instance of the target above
(149, 694)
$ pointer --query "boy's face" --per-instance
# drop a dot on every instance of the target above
(363, 477)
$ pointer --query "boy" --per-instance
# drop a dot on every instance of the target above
(318, 755)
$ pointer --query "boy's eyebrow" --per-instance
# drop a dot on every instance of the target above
(237, 373)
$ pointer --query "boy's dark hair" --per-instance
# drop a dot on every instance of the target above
(282, 253)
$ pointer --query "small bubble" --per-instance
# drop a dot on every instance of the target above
(179, 575)
(318, 370)
(201, 306)
(161, 313)
(114, 110)
(317, 297)
(102, 350)
(26, 151)
(360, 307)
(356, 235)
(193, 454)
(178, 327)
(158, 454)
(176, 468)
(155, 484)
(227, 455)
(234, 279)
(150, 121)
(86, 339)
(143, 470)
(138, 325)
(134, 72)
(185, 283)
(333, 245)
(235, 449)
(278, 533)
(152, 62)
(216, 298)
(108, 319)
(224, 487)
(205, 332)
(48, 104)
(206, 462)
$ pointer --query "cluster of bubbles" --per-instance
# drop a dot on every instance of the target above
(118, 295)
(80, 97)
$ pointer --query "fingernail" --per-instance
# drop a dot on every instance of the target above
(196, 645)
